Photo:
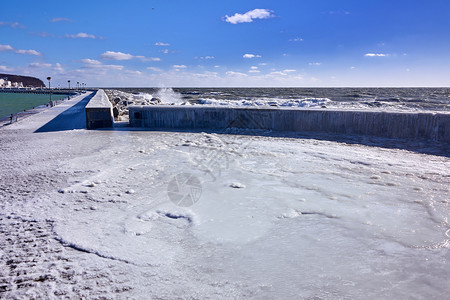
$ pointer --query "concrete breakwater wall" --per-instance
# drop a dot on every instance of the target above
(99, 112)
(409, 125)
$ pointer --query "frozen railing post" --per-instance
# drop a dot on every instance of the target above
(13, 118)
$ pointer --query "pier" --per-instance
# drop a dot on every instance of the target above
(52, 91)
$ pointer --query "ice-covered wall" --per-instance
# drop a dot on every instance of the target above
(99, 111)
(432, 126)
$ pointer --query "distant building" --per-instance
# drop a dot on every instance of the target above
(5, 83)
(17, 85)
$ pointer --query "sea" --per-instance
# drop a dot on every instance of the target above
(12, 103)
(402, 99)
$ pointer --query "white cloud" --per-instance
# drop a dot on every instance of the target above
(205, 75)
(253, 68)
(165, 51)
(376, 55)
(39, 65)
(250, 55)
(162, 44)
(143, 58)
(28, 52)
(98, 65)
(179, 66)
(235, 74)
(277, 73)
(4, 48)
(81, 35)
(58, 67)
(289, 71)
(207, 57)
(12, 24)
(54, 20)
(89, 61)
(262, 64)
(111, 67)
(297, 39)
(112, 55)
(315, 64)
(154, 69)
(133, 72)
(5, 69)
(254, 71)
(249, 16)
(116, 55)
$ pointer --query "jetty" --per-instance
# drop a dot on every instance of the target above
(54, 91)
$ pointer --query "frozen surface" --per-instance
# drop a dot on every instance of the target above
(99, 100)
(272, 217)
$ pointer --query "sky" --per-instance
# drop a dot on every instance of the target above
(233, 43)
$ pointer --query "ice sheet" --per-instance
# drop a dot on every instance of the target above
(277, 217)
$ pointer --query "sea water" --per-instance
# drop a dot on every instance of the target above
(399, 99)
(11, 103)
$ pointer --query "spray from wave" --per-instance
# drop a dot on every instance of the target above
(169, 96)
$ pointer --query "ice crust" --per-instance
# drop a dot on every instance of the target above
(306, 218)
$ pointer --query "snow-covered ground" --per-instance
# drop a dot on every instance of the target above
(139, 214)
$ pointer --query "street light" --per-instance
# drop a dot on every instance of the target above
(68, 81)
(49, 78)
(78, 85)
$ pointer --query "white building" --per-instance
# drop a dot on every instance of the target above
(5, 83)
(17, 85)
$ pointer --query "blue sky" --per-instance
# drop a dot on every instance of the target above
(170, 43)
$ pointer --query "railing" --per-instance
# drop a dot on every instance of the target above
(55, 91)
(12, 118)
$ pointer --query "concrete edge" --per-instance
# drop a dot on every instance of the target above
(99, 111)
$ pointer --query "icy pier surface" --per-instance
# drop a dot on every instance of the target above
(99, 112)
(94, 214)
(426, 125)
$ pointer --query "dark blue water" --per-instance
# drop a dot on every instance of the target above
(415, 99)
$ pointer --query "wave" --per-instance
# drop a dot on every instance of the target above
(306, 102)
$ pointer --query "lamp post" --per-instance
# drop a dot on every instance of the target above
(49, 78)
(68, 81)
(78, 85)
